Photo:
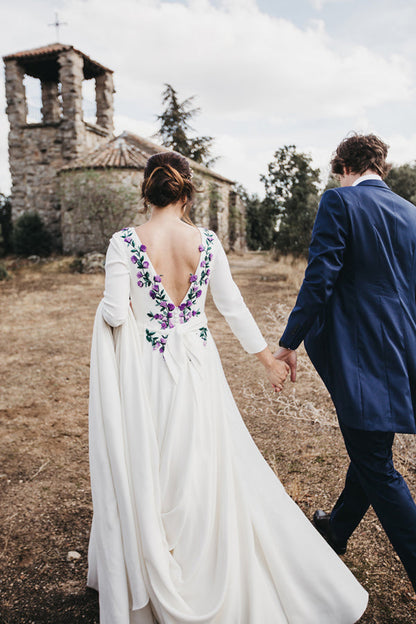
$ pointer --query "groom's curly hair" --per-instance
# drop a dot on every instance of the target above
(360, 152)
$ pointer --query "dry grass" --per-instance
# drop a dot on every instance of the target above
(47, 316)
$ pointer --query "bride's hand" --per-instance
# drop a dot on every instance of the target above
(276, 370)
(277, 373)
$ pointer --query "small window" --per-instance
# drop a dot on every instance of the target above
(89, 106)
(33, 99)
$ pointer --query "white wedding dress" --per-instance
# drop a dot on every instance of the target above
(190, 524)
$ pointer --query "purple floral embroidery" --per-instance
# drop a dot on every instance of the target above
(188, 308)
(186, 312)
(137, 258)
(158, 294)
(209, 238)
(157, 342)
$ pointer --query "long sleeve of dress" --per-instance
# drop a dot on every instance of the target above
(230, 303)
(117, 284)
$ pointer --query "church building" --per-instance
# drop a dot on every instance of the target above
(83, 181)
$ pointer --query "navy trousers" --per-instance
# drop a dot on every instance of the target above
(373, 480)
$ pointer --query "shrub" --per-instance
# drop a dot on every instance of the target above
(30, 236)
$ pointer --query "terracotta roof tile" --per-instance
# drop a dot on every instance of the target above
(153, 148)
(129, 151)
(52, 49)
(117, 153)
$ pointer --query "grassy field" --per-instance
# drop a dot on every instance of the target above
(46, 321)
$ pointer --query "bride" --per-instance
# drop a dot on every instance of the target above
(190, 524)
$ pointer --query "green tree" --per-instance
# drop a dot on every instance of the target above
(175, 128)
(291, 186)
(402, 180)
(332, 182)
(260, 221)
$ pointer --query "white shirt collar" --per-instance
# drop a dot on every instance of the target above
(369, 176)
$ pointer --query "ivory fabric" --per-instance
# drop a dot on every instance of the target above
(190, 524)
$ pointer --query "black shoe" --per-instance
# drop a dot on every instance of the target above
(321, 522)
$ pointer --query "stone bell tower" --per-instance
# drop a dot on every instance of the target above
(38, 150)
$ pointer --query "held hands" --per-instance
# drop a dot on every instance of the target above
(290, 357)
(276, 370)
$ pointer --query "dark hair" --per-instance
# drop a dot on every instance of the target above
(360, 152)
(168, 179)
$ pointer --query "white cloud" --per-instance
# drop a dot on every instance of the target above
(402, 148)
(142, 128)
(319, 4)
(237, 59)
(260, 81)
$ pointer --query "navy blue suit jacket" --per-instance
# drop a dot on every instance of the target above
(356, 309)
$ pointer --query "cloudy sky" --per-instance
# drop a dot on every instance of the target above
(266, 73)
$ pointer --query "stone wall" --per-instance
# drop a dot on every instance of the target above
(237, 223)
(67, 200)
(95, 204)
(211, 206)
(17, 114)
(38, 151)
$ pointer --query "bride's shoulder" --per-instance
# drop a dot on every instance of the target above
(124, 231)
(208, 234)
(210, 239)
(122, 234)
(120, 241)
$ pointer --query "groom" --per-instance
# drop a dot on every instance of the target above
(356, 312)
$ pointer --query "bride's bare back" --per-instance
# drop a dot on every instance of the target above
(173, 249)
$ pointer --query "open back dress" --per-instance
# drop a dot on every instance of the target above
(190, 524)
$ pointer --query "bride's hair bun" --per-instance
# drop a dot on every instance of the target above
(167, 180)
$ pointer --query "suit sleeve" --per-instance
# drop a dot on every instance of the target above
(117, 284)
(326, 254)
(230, 303)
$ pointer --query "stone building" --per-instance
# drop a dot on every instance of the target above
(83, 181)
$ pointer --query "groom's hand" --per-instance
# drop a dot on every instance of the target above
(290, 357)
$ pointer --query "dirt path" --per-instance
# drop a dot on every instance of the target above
(46, 320)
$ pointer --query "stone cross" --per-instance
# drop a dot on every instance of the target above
(57, 24)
